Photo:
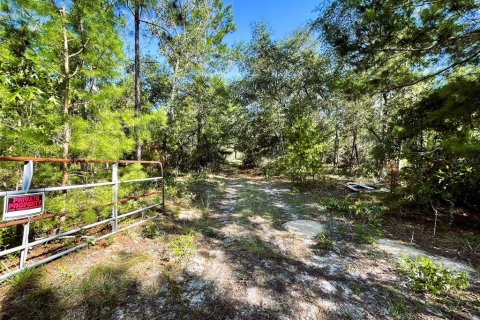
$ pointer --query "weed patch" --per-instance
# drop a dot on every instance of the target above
(426, 276)
(397, 306)
(359, 210)
(257, 247)
(366, 233)
(324, 242)
(183, 246)
(29, 297)
(256, 202)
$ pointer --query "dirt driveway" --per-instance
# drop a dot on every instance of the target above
(226, 253)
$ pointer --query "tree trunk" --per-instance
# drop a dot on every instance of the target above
(335, 148)
(66, 99)
(173, 93)
(354, 151)
(170, 104)
(137, 78)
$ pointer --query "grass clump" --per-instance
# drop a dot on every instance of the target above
(29, 297)
(324, 242)
(428, 277)
(397, 306)
(152, 230)
(257, 247)
(183, 246)
(106, 287)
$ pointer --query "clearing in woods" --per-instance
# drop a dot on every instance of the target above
(233, 248)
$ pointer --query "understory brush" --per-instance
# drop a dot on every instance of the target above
(367, 217)
(426, 276)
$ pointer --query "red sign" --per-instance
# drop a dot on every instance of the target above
(23, 206)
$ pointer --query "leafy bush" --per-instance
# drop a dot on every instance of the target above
(366, 233)
(342, 206)
(359, 210)
(365, 211)
(427, 276)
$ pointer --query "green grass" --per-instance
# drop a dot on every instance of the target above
(305, 204)
(255, 202)
(257, 247)
(152, 230)
(105, 288)
(324, 242)
(30, 297)
(183, 246)
(366, 233)
(397, 306)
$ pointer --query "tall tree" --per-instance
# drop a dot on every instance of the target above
(138, 99)
(282, 82)
(78, 43)
(190, 34)
(435, 37)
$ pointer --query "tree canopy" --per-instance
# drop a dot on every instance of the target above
(364, 86)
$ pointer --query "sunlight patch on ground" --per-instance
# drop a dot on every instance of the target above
(398, 249)
(310, 229)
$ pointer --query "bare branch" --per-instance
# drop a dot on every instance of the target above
(77, 68)
(431, 75)
(79, 51)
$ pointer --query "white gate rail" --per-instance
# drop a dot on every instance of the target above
(114, 219)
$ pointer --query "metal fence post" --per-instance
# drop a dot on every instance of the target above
(24, 253)
(26, 181)
(115, 197)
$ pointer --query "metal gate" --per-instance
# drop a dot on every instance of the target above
(114, 219)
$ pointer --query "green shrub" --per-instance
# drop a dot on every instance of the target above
(358, 210)
(427, 276)
(366, 233)
(342, 206)
(152, 230)
(365, 211)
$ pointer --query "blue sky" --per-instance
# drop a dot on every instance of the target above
(283, 16)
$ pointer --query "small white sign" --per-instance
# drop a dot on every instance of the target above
(23, 206)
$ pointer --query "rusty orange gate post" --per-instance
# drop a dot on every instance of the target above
(39, 201)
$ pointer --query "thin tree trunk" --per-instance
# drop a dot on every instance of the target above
(170, 104)
(137, 78)
(335, 150)
(66, 99)
(173, 93)
(354, 151)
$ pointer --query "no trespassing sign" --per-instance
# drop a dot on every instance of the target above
(23, 206)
